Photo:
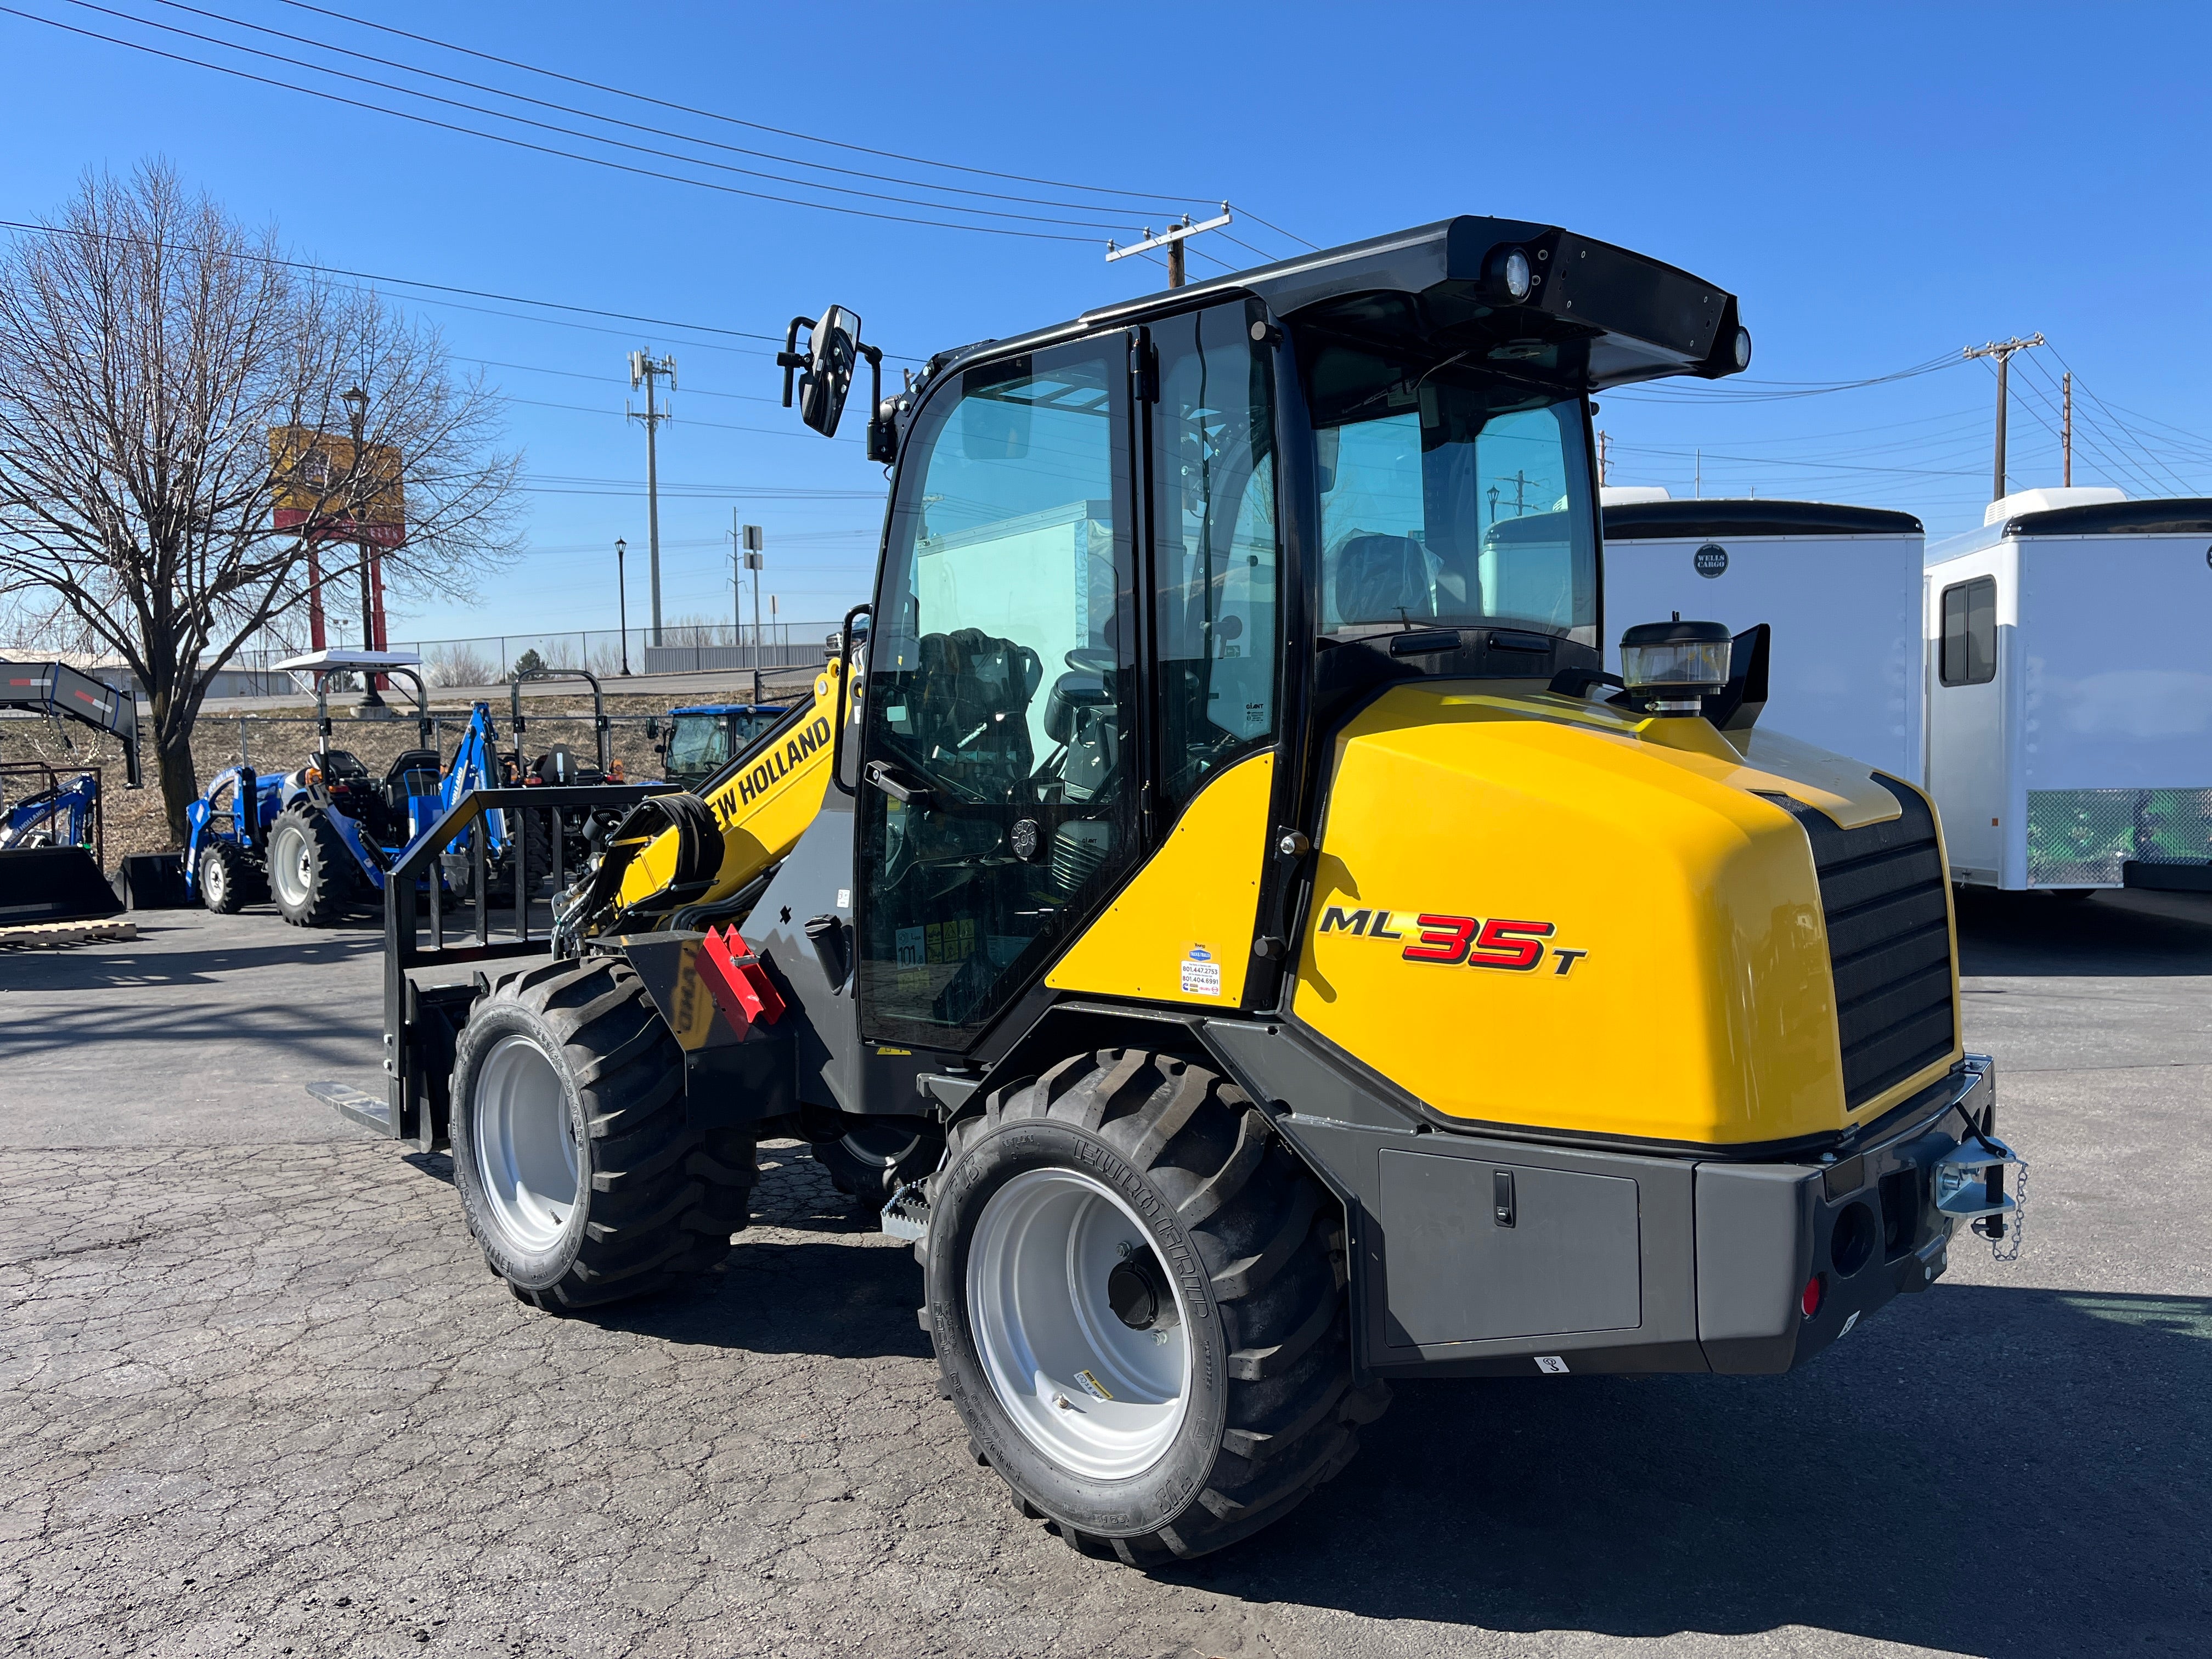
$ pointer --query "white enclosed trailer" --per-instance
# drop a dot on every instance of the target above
(1840, 586)
(2069, 692)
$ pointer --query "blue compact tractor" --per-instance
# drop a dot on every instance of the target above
(319, 839)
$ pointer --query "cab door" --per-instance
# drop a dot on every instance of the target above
(1074, 695)
(1001, 749)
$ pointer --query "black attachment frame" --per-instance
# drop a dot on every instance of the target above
(419, 1020)
(599, 708)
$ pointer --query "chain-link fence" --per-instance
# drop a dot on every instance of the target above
(490, 659)
(691, 648)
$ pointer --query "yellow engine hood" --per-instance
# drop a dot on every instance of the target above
(1535, 911)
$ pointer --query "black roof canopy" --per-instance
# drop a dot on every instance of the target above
(1658, 521)
(1596, 315)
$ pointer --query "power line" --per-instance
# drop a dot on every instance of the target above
(542, 149)
(547, 126)
(1739, 391)
(757, 126)
(1278, 229)
(404, 282)
(611, 120)
(572, 131)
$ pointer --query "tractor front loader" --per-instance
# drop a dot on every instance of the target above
(51, 843)
(1221, 911)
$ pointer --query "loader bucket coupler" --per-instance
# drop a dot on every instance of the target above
(54, 884)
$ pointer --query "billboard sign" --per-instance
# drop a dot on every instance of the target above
(334, 495)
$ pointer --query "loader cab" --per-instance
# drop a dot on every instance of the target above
(705, 738)
(1140, 567)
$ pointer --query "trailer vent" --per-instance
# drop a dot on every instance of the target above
(1889, 941)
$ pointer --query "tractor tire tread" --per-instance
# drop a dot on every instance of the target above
(1273, 1249)
(665, 1198)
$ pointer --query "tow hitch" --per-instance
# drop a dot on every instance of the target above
(1970, 1185)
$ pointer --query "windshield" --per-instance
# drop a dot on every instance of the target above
(1448, 497)
(699, 743)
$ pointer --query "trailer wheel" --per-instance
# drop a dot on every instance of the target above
(870, 1158)
(1137, 1294)
(310, 870)
(228, 879)
(578, 1169)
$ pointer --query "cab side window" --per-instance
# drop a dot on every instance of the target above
(1969, 654)
(1214, 545)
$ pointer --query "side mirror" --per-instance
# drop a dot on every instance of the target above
(826, 367)
(834, 351)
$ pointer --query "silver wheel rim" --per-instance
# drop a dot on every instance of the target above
(291, 865)
(212, 880)
(1044, 1248)
(525, 1143)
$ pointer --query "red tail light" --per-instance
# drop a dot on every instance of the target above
(1810, 1300)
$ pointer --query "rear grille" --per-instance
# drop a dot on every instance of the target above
(1889, 941)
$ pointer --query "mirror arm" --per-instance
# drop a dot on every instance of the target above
(883, 432)
(791, 356)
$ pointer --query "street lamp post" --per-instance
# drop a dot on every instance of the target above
(357, 402)
(622, 602)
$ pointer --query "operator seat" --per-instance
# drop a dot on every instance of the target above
(1382, 578)
(970, 699)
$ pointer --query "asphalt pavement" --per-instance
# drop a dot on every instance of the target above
(261, 1397)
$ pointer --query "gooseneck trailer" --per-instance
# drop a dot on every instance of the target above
(2069, 693)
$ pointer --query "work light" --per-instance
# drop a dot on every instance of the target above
(1671, 667)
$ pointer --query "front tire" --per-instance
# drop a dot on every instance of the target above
(228, 879)
(578, 1169)
(310, 870)
(1136, 1293)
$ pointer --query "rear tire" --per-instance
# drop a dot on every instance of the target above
(311, 869)
(228, 879)
(1212, 1360)
(579, 1171)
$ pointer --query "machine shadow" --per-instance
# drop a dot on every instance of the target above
(128, 964)
(1982, 1471)
(2122, 935)
(839, 1301)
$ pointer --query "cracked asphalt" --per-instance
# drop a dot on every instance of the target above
(259, 1395)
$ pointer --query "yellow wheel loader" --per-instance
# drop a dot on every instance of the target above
(1215, 905)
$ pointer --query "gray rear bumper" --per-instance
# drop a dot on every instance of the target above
(1606, 1260)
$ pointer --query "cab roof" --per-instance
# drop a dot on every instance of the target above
(1597, 314)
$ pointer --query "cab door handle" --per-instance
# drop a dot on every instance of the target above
(886, 777)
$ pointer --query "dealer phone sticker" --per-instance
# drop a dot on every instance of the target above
(1201, 973)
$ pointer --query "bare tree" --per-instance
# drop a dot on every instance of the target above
(161, 367)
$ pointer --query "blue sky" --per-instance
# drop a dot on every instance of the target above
(1881, 185)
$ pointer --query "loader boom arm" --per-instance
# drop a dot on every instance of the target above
(761, 802)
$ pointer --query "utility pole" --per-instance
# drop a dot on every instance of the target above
(2066, 425)
(2003, 350)
(1604, 457)
(647, 370)
(1698, 476)
(1172, 239)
